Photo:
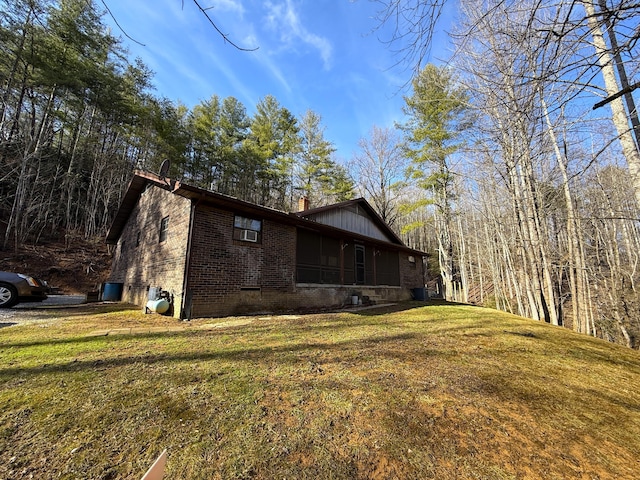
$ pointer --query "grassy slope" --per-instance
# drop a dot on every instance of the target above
(441, 391)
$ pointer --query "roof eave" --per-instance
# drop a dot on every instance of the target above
(197, 194)
(129, 200)
(380, 223)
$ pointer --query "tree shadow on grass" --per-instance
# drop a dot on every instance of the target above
(327, 322)
(404, 306)
(74, 310)
(240, 353)
(302, 325)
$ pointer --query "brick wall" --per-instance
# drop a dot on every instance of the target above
(228, 276)
(411, 273)
(141, 260)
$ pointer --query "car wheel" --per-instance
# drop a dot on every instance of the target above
(8, 295)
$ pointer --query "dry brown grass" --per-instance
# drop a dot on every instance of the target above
(439, 391)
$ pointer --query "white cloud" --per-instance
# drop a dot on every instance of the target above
(228, 6)
(275, 71)
(283, 18)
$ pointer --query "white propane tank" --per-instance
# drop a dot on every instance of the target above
(158, 306)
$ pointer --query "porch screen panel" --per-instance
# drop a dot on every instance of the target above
(360, 264)
(349, 264)
(387, 268)
(330, 262)
(369, 277)
(309, 256)
(318, 258)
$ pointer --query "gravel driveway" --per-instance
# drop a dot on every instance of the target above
(38, 311)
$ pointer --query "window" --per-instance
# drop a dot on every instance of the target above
(164, 227)
(247, 229)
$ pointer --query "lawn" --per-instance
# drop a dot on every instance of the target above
(408, 392)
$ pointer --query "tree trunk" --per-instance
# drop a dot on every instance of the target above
(575, 267)
(620, 120)
(622, 73)
(12, 74)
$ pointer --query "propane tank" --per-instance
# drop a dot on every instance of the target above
(158, 306)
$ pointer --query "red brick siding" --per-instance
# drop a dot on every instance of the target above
(153, 263)
(411, 274)
(220, 267)
(228, 277)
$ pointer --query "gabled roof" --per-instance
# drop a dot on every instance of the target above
(315, 213)
(130, 199)
(142, 179)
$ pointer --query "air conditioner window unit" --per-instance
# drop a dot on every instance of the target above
(249, 236)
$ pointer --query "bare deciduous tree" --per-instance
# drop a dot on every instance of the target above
(379, 169)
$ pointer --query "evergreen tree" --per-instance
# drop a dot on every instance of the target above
(233, 131)
(318, 176)
(204, 156)
(314, 160)
(437, 115)
(272, 145)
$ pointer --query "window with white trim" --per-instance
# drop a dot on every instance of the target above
(247, 229)
(164, 228)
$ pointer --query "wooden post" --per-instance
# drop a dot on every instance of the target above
(156, 471)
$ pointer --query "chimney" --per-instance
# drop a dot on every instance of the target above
(303, 203)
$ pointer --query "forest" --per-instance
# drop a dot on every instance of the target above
(516, 168)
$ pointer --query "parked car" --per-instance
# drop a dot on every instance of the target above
(17, 288)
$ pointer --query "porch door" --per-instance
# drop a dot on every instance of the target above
(359, 264)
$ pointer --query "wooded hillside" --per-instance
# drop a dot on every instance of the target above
(77, 117)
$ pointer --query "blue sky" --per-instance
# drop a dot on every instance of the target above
(321, 55)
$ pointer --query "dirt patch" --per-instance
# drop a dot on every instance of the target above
(73, 266)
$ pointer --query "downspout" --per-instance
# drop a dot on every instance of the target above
(185, 310)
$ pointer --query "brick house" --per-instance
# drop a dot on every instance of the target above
(218, 255)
